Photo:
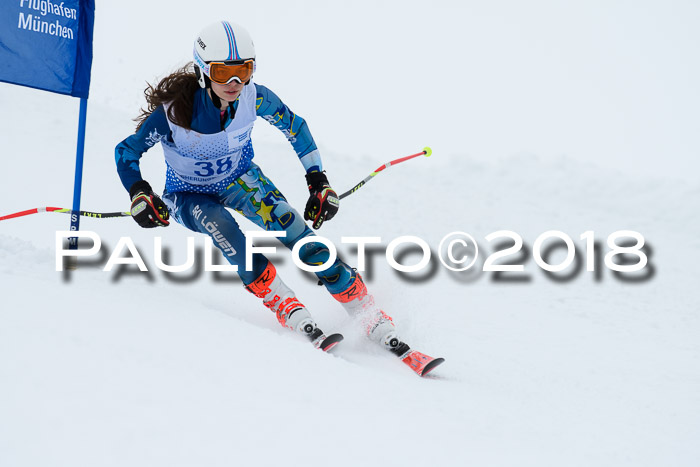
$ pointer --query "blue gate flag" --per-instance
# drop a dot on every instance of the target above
(47, 44)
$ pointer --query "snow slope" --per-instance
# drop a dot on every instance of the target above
(111, 369)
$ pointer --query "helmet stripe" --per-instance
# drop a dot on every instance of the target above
(232, 47)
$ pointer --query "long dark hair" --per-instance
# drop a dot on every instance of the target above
(178, 90)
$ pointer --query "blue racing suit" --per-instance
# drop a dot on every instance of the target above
(210, 168)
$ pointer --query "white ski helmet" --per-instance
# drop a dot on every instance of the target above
(224, 42)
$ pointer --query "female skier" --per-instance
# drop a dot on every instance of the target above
(203, 119)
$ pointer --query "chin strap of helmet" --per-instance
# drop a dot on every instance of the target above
(207, 85)
(214, 98)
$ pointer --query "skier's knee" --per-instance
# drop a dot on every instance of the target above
(314, 253)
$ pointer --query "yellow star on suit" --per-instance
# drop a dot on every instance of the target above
(265, 211)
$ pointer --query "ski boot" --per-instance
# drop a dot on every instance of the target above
(380, 328)
(290, 312)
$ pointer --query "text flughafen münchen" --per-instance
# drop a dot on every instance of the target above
(44, 16)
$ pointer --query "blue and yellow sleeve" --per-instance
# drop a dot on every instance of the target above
(128, 153)
(271, 108)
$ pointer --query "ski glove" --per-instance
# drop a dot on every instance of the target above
(323, 201)
(147, 209)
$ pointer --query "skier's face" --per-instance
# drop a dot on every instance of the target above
(227, 92)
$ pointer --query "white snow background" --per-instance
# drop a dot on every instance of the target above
(542, 116)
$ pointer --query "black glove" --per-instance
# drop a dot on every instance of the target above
(147, 209)
(323, 202)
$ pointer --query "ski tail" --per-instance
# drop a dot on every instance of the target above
(319, 339)
(331, 341)
(419, 362)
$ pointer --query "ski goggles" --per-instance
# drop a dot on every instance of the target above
(225, 72)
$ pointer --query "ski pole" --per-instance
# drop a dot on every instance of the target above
(425, 152)
(99, 215)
